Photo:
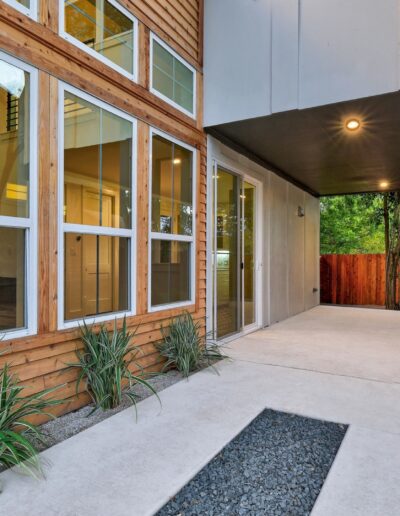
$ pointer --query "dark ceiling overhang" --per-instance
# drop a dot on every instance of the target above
(313, 150)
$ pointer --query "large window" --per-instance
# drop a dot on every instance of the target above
(18, 90)
(98, 207)
(172, 78)
(103, 28)
(28, 7)
(172, 223)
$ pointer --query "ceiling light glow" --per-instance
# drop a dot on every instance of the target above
(383, 184)
(352, 124)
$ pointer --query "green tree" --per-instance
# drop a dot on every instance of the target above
(365, 223)
(352, 224)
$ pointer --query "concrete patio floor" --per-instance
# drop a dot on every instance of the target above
(331, 363)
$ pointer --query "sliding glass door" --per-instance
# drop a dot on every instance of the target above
(234, 247)
(248, 205)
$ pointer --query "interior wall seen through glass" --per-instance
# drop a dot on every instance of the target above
(12, 279)
(97, 165)
(172, 188)
(102, 27)
(97, 278)
(170, 272)
(14, 141)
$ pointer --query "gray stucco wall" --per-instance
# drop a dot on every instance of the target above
(294, 250)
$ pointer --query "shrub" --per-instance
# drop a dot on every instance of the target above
(15, 431)
(184, 348)
(105, 362)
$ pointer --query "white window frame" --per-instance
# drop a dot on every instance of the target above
(64, 227)
(133, 76)
(153, 38)
(170, 237)
(28, 224)
(31, 11)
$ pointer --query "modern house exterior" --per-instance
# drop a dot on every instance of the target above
(103, 177)
(125, 191)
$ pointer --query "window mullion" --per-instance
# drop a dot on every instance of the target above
(97, 230)
(171, 236)
(15, 222)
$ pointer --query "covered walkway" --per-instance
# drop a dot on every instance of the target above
(336, 364)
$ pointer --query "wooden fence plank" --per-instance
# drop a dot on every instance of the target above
(353, 279)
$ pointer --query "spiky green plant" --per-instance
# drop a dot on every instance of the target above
(105, 364)
(185, 348)
(16, 448)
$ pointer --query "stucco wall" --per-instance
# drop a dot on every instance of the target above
(294, 250)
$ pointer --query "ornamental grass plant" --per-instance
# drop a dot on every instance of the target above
(185, 348)
(16, 431)
(106, 363)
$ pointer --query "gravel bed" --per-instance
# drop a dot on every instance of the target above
(276, 466)
(57, 430)
(68, 425)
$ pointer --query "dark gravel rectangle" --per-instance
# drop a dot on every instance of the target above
(276, 466)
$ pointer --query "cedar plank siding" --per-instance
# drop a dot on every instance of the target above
(41, 360)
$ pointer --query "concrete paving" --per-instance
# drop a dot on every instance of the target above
(313, 364)
(358, 342)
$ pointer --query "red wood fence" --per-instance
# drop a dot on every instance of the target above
(353, 279)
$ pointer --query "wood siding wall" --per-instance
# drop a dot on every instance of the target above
(178, 22)
(41, 360)
(357, 279)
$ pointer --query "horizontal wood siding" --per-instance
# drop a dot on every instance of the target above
(178, 21)
(357, 279)
(41, 360)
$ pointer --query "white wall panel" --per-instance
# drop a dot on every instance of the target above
(348, 49)
(284, 55)
(264, 56)
(312, 252)
(296, 247)
(237, 37)
(279, 308)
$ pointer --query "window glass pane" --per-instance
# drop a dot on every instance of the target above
(14, 141)
(172, 188)
(26, 3)
(183, 97)
(183, 76)
(170, 272)
(163, 60)
(107, 30)
(163, 82)
(96, 276)
(172, 78)
(97, 165)
(12, 278)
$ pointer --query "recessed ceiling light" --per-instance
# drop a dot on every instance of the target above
(353, 124)
(383, 184)
(177, 161)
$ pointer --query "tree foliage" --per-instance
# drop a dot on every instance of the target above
(352, 224)
(365, 223)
